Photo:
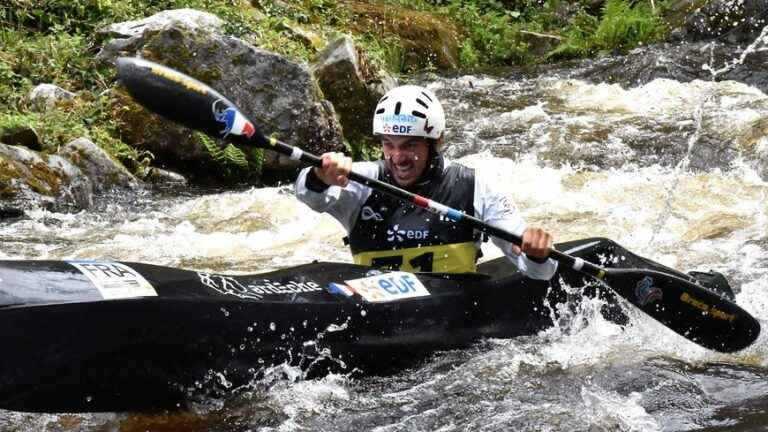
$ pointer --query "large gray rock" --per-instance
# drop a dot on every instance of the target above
(31, 180)
(96, 164)
(280, 95)
(351, 85)
(77, 191)
(130, 35)
(46, 96)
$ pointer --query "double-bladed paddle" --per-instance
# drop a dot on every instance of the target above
(685, 307)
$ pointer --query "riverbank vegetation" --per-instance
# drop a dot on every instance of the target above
(56, 41)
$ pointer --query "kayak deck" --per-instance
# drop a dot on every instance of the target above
(67, 348)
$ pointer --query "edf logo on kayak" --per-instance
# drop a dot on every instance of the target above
(397, 285)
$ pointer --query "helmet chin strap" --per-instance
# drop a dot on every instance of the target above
(435, 163)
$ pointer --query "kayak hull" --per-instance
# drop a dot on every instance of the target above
(66, 348)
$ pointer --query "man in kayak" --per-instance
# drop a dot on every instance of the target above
(384, 231)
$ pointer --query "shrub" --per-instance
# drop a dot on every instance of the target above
(625, 26)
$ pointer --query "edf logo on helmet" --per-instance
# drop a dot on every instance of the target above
(398, 129)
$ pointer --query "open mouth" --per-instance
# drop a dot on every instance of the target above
(403, 171)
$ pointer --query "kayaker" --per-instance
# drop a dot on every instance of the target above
(385, 232)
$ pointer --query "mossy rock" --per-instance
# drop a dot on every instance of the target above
(354, 87)
(104, 171)
(279, 95)
(428, 40)
(29, 179)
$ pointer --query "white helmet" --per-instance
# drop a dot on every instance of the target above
(411, 111)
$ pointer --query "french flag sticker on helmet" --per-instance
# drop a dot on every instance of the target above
(234, 122)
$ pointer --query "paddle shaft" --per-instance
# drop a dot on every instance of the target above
(420, 201)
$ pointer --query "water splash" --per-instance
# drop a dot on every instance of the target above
(680, 168)
(753, 47)
(612, 411)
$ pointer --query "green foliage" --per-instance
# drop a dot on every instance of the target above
(468, 55)
(11, 121)
(320, 12)
(231, 159)
(625, 26)
(363, 150)
(494, 31)
(270, 36)
(85, 16)
(578, 37)
(86, 116)
(59, 58)
(385, 53)
(485, 44)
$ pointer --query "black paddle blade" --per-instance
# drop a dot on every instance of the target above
(186, 101)
(690, 310)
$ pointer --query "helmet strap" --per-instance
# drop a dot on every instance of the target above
(434, 165)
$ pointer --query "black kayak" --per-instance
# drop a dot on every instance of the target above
(108, 336)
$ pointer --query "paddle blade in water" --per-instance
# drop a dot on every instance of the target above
(690, 310)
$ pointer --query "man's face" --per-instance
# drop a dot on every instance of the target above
(407, 157)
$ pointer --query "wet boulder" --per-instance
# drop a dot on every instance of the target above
(734, 22)
(165, 178)
(354, 87)
(105, 172)
(279, 95)
(29, 179)
(682, 62)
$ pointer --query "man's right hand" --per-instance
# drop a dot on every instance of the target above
(336, 168)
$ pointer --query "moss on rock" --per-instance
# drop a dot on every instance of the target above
(425, 39)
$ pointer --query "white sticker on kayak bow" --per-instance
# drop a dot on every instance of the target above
(388, 287)
(115, 280)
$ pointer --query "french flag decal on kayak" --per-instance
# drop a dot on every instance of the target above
(234, 122)
(335, 288)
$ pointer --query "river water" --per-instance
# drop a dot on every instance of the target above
(674, 170)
